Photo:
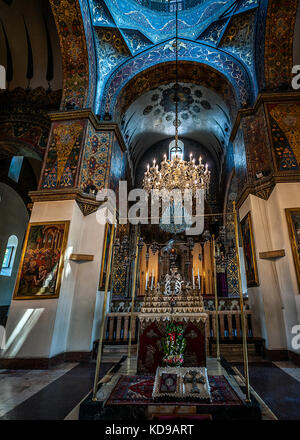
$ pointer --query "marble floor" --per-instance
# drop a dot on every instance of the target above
(278, 385)
(56, 394)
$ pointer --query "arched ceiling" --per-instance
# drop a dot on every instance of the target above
(165, 73)
(157, 25)
(203, 117)
(29, 45)
(131, 38)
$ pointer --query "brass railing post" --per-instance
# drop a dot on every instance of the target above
(132, 301)
(216, 297)
(99, 354)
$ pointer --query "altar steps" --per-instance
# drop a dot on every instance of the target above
(232, 351)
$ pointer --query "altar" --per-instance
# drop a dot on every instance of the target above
(173, 301)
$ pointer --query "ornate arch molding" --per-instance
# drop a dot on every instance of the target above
(188, 71)
(74, 26)
(278, 51)
(189, 51)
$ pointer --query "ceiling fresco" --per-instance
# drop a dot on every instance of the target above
(203, 116)
(218, 33)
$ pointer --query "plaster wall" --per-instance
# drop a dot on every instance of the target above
(275, 302)
(65, 323)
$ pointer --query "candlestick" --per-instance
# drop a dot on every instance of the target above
(199, 280)
(147, 280)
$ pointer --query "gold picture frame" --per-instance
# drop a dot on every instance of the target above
(42, 261)
(249, 251)
(293, 221)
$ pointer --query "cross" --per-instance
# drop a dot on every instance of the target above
(194, 380)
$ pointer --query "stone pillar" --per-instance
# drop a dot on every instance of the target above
(83, 156)
(275, 301)
(265, 142)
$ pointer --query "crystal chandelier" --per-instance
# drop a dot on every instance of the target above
(177, 174)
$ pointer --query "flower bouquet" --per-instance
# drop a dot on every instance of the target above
(174, 345)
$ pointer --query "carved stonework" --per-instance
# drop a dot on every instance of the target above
(87, 208)
(264, 193)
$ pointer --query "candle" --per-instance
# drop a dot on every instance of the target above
(193, 278)
(199, 280)
(152, 279)
(146, 280)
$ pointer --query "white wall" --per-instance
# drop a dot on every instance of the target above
(65, 323)
(275, 302)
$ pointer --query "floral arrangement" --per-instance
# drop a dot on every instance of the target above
(174, 344)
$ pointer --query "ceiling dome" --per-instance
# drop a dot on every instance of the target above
(169, 5)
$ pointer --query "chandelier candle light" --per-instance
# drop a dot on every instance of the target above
(177, 174)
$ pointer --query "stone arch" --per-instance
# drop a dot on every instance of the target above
(74, 27)
(188, 71)
(189, 51)
(278, 49)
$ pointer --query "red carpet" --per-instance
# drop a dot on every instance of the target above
(137, 390)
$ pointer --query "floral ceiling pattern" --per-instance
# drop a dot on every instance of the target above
(202, 115)
(218, 33)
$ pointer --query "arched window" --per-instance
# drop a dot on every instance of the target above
(173, 150)
(9, 256)
(15, 168)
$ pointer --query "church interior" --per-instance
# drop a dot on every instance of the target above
(146, 317)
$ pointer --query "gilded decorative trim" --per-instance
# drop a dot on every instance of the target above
(294, 244)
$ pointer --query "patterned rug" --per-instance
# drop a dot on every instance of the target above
(137, 390)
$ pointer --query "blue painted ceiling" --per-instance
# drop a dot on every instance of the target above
(125, 28)
(126, 32)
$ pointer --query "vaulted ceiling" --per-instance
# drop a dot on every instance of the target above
(203, 117)
(133, 37)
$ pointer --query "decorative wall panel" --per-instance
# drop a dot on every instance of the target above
(96, 159)
(284, 121)
(63, 153)
(278, 56)
(259, 158)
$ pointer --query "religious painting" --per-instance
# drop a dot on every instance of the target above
(249, 251)
(293, 220)
(105, 254)
(41, 266)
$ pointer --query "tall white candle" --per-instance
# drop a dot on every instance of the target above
(147, 280)
(199, 279)
(152, 279)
